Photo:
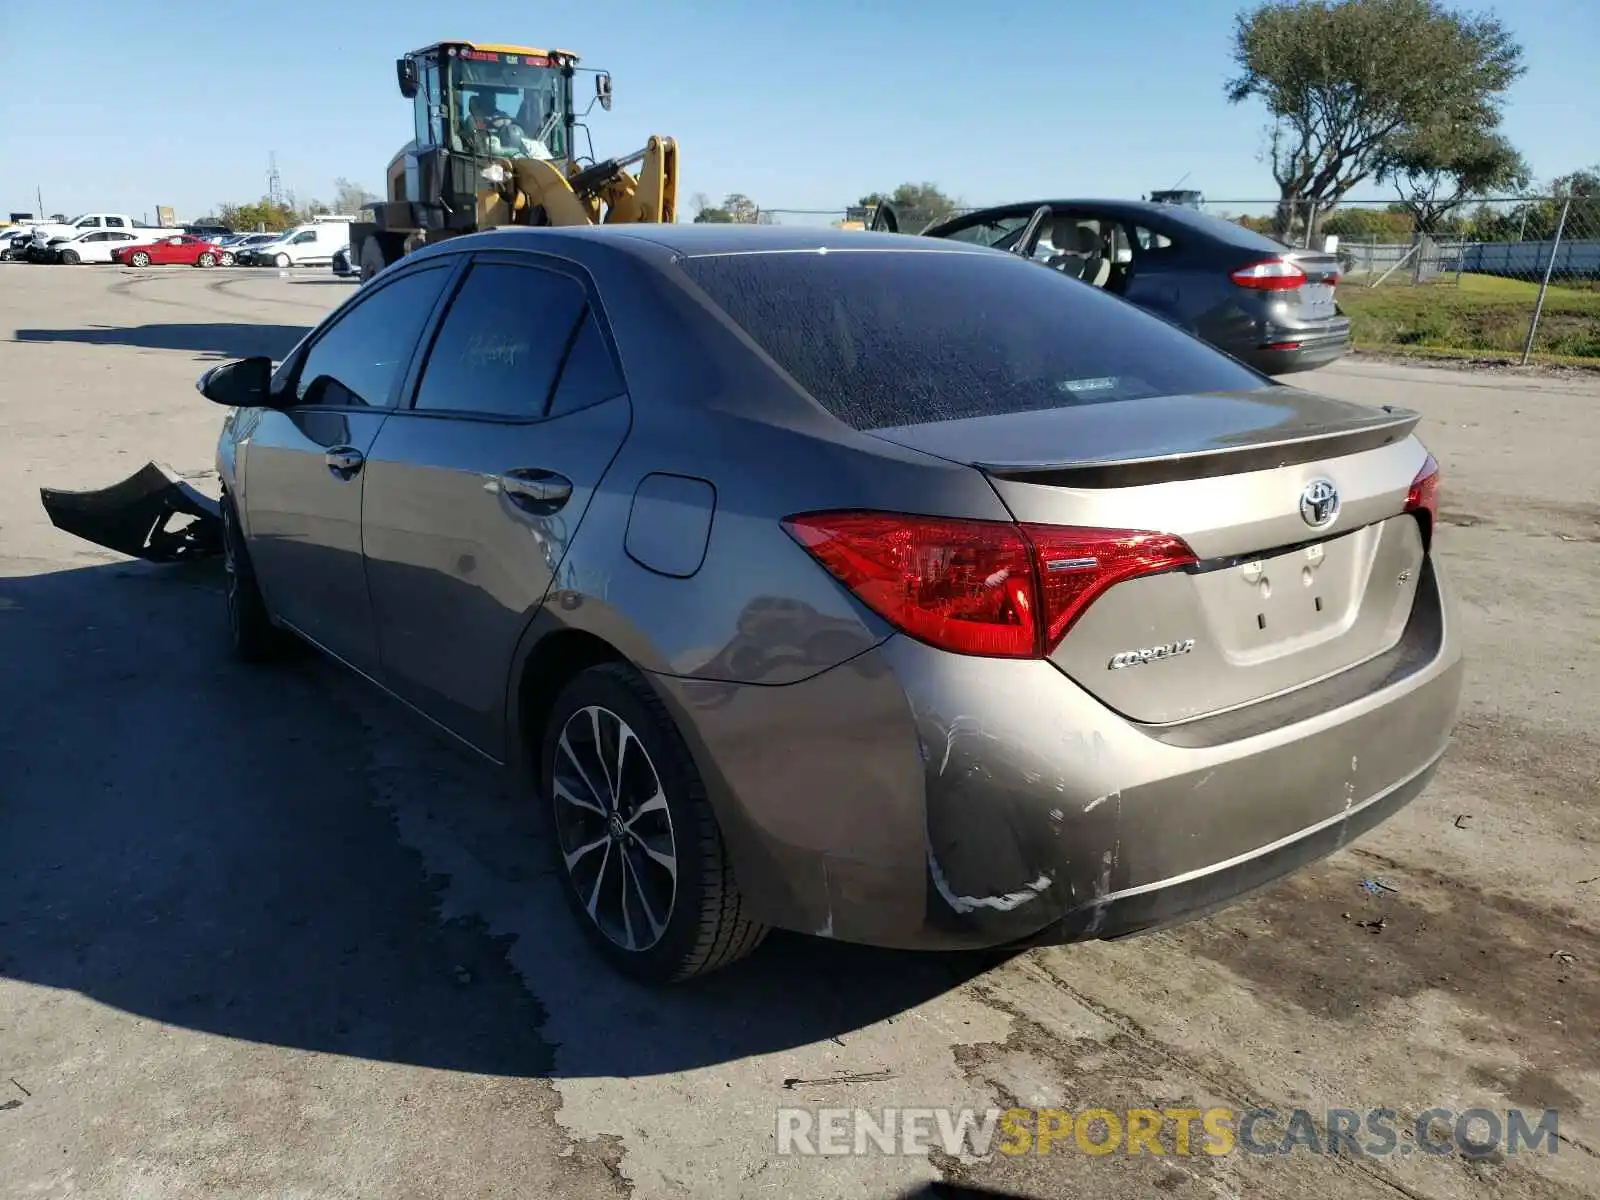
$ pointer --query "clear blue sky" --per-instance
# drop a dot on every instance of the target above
(802, 104)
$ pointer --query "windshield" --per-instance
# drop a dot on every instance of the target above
(505, 108)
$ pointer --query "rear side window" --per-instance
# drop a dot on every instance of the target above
(502, 341)
(887, 338)
(589, 374)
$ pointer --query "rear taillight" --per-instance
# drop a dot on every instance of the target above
(980, 587)
(1423, 498)
(1272, 275)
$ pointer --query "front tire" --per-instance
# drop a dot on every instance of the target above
(227, 258)
(69, 258)
(253, 635)
(139, 259)
(206, 260)
(282, 261)
(633, 835)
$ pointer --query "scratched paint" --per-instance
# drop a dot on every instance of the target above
(1002, 903)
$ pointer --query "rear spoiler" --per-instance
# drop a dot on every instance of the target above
(1394, 426)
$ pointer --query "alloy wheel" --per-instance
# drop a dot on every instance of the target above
(614, 828)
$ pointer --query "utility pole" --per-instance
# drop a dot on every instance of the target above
(274, 180)
(38, 194)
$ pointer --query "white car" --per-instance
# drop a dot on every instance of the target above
(310, 244)
(93, 246)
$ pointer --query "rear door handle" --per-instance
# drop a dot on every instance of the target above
(535, 490)
(344, 461)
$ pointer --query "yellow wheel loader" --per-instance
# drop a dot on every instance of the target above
(495, 144)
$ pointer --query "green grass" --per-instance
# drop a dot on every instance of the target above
(1484, 315)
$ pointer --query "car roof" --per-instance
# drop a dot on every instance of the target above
(648, 240)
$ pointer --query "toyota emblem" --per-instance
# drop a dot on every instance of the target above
(1319, 503)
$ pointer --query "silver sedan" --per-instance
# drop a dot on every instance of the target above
(884, 589)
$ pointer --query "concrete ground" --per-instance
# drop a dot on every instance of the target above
(261, 935)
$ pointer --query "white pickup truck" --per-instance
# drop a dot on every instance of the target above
(47, 231)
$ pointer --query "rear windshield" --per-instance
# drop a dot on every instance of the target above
(1230, 232)
(902, 337)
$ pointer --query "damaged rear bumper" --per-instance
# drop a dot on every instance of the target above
(153, 515)
(924, 800)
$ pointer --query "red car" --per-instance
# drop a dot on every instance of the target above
(179, 250)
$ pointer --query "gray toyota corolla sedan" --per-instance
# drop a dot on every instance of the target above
(885, 589)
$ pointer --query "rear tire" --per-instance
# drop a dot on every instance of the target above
(373, 259)
(642, 860)
(253, 635)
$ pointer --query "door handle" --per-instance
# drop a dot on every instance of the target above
(344, 461)
(536, 491)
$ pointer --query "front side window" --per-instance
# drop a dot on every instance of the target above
(359, 359)
(502, 342)
(887, 338)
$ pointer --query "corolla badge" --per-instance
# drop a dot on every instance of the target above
(1149, 654)
(1319, 503)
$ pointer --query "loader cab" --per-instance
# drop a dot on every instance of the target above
(495, 101)
(472, 104)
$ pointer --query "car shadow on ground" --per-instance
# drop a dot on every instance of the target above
(211, 339)
(281, 855)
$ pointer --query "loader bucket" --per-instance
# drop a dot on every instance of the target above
(142, 516)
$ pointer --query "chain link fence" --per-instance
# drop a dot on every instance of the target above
(1516, 277)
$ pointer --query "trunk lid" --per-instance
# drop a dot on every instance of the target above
(1281, 597)
(1314, 299)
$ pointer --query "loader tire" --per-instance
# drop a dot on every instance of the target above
(373, 258)
(255, 638)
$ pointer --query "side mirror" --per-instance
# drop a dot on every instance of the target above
(602, 89)
(243, 383)
(405, 70)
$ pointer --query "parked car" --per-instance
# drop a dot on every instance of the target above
(44, 232)
(14, 243)
(91, 246)
(307, 245)
(235, 247)
(1261, 301)
(182, 250)
(919, 597)
(209, 232)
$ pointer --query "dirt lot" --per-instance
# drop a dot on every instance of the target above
(261, 936)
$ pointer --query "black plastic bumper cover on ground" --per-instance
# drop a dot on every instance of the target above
(153, 515)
